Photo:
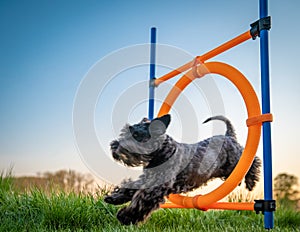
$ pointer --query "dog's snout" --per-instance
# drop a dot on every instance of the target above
(114, 144)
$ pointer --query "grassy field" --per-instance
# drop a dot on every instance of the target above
(38, 211)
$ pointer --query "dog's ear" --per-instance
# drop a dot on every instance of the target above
(166, 119)
(158, 126)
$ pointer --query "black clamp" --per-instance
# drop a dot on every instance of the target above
(152, 82)
(264, 206)
(259, 25)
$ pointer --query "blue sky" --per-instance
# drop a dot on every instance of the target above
(47, 47)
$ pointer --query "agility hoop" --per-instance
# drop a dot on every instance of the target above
(254, 131)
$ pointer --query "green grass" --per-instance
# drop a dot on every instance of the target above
(38, 211)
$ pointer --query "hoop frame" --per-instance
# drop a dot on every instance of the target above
(253, 138)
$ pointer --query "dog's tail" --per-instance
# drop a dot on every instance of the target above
(229, 128)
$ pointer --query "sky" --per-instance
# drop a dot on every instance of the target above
(48, 48)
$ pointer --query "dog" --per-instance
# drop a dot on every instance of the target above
(170, 167)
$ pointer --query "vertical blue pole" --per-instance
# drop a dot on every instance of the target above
(265, 88)
(152, 73)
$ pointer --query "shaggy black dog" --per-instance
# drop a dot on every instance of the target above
(170, 166)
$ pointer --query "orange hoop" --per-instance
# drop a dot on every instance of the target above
(254, 131)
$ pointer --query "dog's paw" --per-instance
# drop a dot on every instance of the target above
(116, 199)
(109, 200)
(126, 217)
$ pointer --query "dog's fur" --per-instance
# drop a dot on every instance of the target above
(169, 166)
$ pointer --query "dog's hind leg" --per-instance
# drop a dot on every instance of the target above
(253, 174)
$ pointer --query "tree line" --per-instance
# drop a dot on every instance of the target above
(286, 191)
(62, 180)
(286, 186)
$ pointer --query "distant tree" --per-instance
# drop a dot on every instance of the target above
(286, 190)
(62, 180)
(70, 181)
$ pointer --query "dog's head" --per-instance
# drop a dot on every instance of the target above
(138, 142)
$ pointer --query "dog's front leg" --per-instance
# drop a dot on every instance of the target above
(124, 193)
(143, 203)
(120, 196)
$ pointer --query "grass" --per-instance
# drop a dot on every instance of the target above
(38, 211)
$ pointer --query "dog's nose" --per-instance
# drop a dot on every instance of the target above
(114, 144)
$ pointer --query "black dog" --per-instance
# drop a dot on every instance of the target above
(169, 166)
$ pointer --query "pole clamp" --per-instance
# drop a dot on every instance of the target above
(259, 25)
(264, 206)
(152, 82)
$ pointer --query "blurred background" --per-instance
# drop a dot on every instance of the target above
(48, 47)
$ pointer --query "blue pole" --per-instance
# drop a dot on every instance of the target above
(152, 73)
(265, 88)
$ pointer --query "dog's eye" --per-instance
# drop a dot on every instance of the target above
(135, 135)
(138, 136)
